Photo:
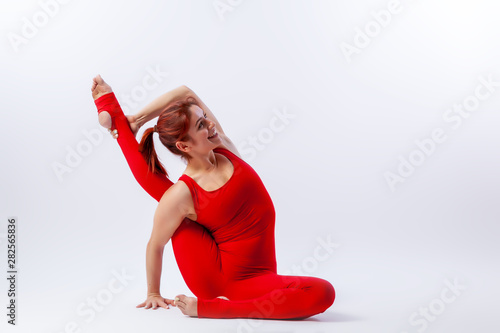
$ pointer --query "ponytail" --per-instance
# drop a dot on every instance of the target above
(172, 126)
(147, 149)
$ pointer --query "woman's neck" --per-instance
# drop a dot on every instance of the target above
(203, 164)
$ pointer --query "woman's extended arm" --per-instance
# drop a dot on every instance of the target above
(170, 213)
(153, 109)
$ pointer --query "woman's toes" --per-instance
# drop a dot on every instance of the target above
(223, 297)
(99, 87)
(188, 305)
(105, 119)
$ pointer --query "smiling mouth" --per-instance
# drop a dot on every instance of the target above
(213, 135)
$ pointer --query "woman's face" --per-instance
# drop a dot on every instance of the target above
(201, 132)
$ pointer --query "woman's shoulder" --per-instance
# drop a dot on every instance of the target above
(175, 204)
(177, 193)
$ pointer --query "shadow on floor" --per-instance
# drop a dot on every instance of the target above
(333, 317)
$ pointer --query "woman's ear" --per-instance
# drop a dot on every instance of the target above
(183, 146)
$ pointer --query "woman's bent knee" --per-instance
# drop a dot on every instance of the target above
(327, 295)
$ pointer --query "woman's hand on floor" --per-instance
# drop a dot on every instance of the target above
(156, 301)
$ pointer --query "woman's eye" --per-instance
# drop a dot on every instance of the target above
(201, 123)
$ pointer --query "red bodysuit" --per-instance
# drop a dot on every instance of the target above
(229, 251)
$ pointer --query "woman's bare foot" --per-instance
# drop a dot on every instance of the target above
(101, 88)
(223, 297)
(188, 305)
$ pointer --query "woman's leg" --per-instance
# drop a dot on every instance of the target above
(154, 184)
(199, 260)
(269, 296)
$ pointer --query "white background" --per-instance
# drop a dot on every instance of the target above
(355, 118)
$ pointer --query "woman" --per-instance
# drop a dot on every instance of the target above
(219, 215)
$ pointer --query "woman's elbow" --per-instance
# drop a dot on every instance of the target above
(155, 245)
(186, 88)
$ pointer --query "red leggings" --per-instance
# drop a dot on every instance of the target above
(268, 295)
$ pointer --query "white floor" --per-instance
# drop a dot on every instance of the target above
(391, 296)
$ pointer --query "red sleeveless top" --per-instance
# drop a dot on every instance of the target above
(240, 216)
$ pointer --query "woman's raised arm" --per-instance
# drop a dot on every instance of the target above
(157, 106)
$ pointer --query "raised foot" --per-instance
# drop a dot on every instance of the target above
(101, 88)
(187, 305)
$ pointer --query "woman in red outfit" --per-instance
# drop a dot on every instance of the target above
(219, 215)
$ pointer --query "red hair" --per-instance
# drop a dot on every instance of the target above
(172, 126)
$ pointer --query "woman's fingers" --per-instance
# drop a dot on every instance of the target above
(159, 304)
(163, 304)
(114, 133)
(155, 304)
